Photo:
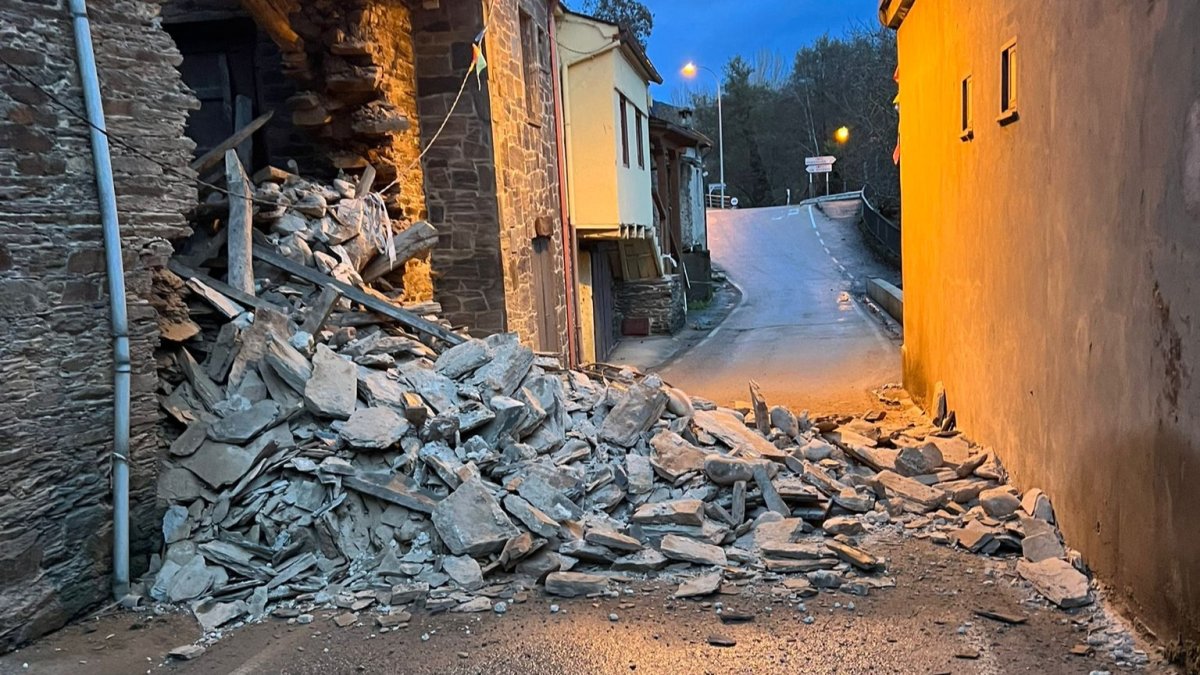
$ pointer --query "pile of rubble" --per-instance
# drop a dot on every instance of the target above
(362, 458)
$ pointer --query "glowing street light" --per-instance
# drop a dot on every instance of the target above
(842, 135)
(690, 70)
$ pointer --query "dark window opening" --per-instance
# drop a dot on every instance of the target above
(624, 102)
(641, 144)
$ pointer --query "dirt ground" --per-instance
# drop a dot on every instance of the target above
(926, 624)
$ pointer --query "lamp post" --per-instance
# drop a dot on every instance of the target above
(689, 71)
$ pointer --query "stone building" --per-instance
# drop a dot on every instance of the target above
(56, 353)
(350, 83)
(1051, 176)
(376, 81)
(678, 153)
(627, 282)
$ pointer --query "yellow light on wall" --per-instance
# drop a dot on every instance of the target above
(842, 134)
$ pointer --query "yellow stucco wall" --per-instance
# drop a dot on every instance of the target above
(602, 192)
(1050, 267)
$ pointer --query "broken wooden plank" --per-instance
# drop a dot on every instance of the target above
(401, 316)
(212, 157)
(221, 287)
(365, 182)
(408, 244)
(240, 273)
(221, 303)
(318, 313)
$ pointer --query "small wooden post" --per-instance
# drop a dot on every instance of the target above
(241, 228)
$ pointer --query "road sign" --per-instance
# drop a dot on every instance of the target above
(819, 168)
(818, 161)
(733, 201)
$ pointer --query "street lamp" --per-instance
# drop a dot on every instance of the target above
(842, 135)
(690, 70)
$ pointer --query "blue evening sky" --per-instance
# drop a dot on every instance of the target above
(712, 31)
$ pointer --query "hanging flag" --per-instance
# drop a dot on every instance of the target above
(478, 63)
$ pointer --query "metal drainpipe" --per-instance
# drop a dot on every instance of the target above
(102, 161)
(568, 240)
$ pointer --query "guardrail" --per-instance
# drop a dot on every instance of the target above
(885, 233)
(713, 201)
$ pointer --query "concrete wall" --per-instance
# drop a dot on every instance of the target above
(1050, 268)
(56, 352)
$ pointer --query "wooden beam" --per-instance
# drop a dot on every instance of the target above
(417, 239)
(274, 22)
(240, 272)
(365, 182)
(401, 316)
(214, 156)
(249, 300)
(318, 314)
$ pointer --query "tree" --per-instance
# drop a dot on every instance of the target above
(629, 14)
(776, 116)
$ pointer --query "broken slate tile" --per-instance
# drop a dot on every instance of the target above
(374, 428)
(699, 586)
(999, 502)
(220, 464)
(639, 473)
(531, 517)
(672, 456)
(676, 547)
(189, 441)
(638, 409)
(674, 512)
(1058, 581)
(509, 365)
(464, 571)
(212, 614)
(610, 538)
(470, 521)
(393, 489)
(645, 560)
(914, 496)
(726, 427)
(333, 388)
(240, 427)
(575, 584)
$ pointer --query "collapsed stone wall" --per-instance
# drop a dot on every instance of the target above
(659, 300)
(56, 355)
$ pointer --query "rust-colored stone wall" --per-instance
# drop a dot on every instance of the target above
(56, 353)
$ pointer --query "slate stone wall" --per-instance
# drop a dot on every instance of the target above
(56, 348)
(491, 180)
(660, 300)
(460, 170)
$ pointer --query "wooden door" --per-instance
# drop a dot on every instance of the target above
(603, 312)
(546, 295)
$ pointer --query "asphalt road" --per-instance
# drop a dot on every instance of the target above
(926, 624)
(799, 331)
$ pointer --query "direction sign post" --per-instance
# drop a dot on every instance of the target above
(822, 164)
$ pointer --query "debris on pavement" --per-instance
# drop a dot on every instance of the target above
(340, 452)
